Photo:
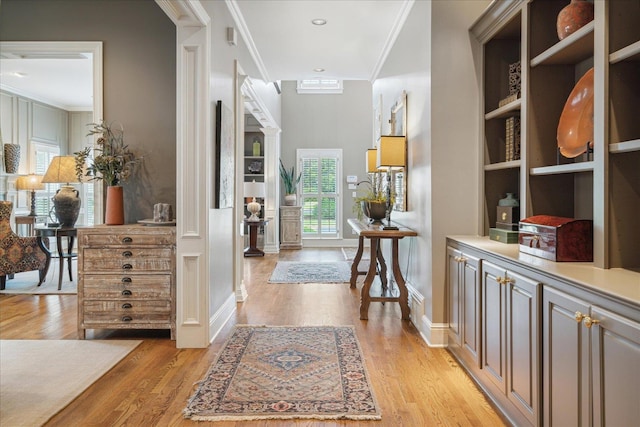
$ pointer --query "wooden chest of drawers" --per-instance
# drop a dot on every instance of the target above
(126, 278)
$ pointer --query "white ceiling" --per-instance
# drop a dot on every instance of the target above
(279, 34)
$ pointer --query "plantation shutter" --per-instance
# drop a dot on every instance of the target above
(320, 192)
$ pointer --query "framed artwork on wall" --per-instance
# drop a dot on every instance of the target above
(398, 119)
(225, 158)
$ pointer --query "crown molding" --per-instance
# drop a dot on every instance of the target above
(185, 12)
(243, 29)
(393, 36)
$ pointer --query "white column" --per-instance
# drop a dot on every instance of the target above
(272, 184)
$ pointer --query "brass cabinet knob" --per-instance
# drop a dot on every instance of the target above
(578, 316)
(588, 321)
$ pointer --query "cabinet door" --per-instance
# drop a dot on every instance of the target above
(454, 292)
(615, 343)
(565, 360)
(470, 274)
(290, 231)
(493, 324)
(523, 360)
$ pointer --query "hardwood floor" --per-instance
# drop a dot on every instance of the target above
(415, 385)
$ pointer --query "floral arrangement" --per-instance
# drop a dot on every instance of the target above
(375, 193)
(112, 162)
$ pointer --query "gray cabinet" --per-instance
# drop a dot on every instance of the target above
(290, 227)
(591, 363)
(510, 331)
(463, 277)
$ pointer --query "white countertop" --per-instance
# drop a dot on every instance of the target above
(617, 282)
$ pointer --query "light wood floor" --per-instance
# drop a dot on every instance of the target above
(415, 385)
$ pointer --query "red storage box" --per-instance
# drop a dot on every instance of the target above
(557, 238)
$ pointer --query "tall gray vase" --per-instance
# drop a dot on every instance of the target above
(11, 158)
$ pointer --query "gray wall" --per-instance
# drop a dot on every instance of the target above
(330, 121)
(139, 43)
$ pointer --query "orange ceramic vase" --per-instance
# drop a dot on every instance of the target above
(114, 211)
(574, 16)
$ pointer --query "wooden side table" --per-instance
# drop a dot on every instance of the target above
(374, 233)
(58, 232)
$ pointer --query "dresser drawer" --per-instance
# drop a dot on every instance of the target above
(123, 286)
(290, 214)
(127, 259)
(126, 311)
(138, 238)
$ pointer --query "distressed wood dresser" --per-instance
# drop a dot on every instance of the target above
(126, 278)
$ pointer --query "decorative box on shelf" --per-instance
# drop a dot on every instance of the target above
(557, 238)
(503, 236)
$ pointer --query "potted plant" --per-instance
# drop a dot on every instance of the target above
(373, 203)
(112, 163)
(290, 182)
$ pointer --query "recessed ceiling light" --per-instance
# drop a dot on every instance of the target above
(318, 21)
(319, 70)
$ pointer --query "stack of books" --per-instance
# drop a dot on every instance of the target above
(512, 139)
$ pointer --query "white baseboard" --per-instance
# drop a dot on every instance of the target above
(434, 334)
(221, 317)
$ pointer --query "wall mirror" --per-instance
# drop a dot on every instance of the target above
(398, 123)
(49, 78)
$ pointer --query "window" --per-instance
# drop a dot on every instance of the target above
(42, 156)
(320, 189)
(320, 86)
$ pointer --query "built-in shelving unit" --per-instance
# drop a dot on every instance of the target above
(601, 185)
(253, 168)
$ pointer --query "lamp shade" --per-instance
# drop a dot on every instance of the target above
(254, 189)
(62, 170)
(372, 159)
(29, 182)
(392, 152)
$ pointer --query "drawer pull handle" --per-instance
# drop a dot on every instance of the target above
(126, 293)
(127, 240)
(126, 280)
(126, 305)
(589, 322)
(499, 279)
(127, 254)
(127, 266)
(578, 316)
(127, 318)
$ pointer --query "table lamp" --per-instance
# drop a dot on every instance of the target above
(254, 189)
(31, 182)
(66, 201)
(392, 154)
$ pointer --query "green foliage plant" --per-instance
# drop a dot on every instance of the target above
(112, 162)
(372, 193)
(289, 178)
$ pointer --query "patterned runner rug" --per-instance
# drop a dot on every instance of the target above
(311, 272)
(266, 372)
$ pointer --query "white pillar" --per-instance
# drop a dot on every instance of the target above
(272, 184)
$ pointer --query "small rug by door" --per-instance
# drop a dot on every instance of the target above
(311, 272)
(284, 372)
(350, 254)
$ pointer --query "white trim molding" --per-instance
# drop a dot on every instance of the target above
(434, 334)
(393, 36)
(193, 149)
(221, 317)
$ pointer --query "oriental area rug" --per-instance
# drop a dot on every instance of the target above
(311, 272)
(285, 372)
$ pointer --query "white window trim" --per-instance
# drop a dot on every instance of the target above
(324, 86)
(324, 152)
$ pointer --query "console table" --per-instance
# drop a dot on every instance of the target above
(375, 232)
